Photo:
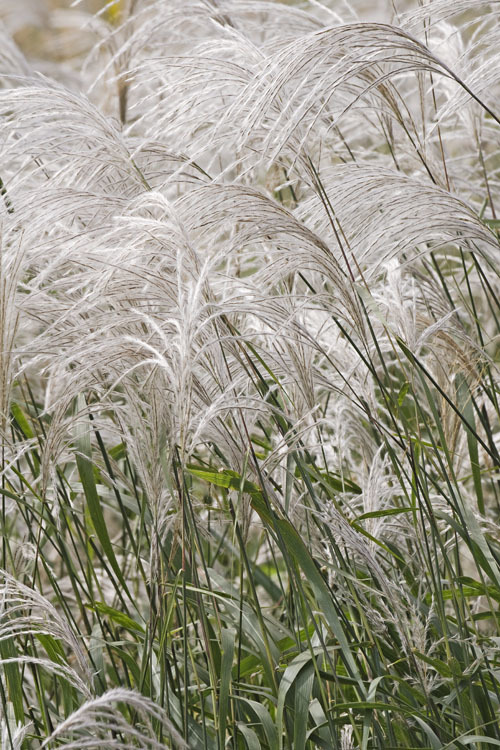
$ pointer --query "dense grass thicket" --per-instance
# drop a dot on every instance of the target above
(249, 375)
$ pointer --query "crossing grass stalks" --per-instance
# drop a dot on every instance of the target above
(249, 384)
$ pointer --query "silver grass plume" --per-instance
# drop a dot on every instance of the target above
(98, 723)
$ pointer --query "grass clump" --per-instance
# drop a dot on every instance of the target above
(249, 386)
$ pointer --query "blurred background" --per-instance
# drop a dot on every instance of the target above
(62, 30)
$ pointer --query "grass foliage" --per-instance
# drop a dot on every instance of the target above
(249, 375)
